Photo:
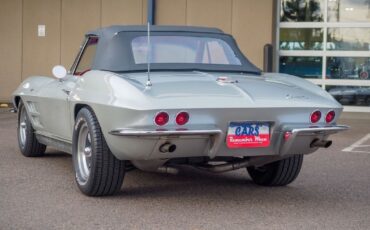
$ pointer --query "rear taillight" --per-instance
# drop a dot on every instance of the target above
(330, 116)
(161, 118)
(182, 118)
(315, 116)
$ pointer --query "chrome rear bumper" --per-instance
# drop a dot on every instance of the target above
(165, 132)
(210, 133)
(209, 141)
(314, 130)
(326, 130)
(301, 139)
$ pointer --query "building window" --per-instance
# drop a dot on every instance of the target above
(350, 95)
(327, 42)
(357, 68)
(306, 67)
(302, 10)
(351, 39)
(301, 38)
(348, 10)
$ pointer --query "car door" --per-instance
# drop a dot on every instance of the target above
(53, 107)
(54, 98)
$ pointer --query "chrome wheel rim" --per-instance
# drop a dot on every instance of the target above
(23, 127)
(84, 153)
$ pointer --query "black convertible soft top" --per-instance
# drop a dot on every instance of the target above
(114, 52)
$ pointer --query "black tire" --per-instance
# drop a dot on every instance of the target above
(278, 173)
(28, 144)
(97, 171)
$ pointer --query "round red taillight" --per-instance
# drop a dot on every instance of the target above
(315, 116)
(161, 118)
(330, 116)
(182, 118)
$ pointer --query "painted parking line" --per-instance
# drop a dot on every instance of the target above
(359, 145)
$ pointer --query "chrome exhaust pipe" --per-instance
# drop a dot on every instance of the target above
(317, 143)
(167, 148)
(224, 167)
(168, 170)
(242, 163)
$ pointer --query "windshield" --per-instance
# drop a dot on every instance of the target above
(183, 49)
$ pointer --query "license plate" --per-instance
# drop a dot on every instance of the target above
(248, 135)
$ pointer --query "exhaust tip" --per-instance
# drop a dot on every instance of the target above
(172, 148)
(328, 144)
(317, 143)
(167, 148)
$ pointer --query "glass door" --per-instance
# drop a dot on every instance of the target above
(328, 43)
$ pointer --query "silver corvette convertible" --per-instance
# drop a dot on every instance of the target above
(179, 96)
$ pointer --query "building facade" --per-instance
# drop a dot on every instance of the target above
(328, 43)
(324, 41)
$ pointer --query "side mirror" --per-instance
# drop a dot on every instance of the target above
(59, 71)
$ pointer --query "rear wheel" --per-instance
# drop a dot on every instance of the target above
(278, 173)
(98, 172)
(28, 144)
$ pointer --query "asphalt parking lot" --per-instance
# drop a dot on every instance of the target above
(331, 192)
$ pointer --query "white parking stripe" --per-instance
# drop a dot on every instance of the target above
(357, 151)
(358, 144)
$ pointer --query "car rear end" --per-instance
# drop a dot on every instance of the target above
(229, 132)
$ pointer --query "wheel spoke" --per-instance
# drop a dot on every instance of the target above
(84, 152)
(23, 126)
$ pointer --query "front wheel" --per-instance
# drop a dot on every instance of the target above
(279, 173)
(98, 172)
(27, 141)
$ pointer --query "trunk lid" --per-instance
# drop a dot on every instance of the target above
(235, 90)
